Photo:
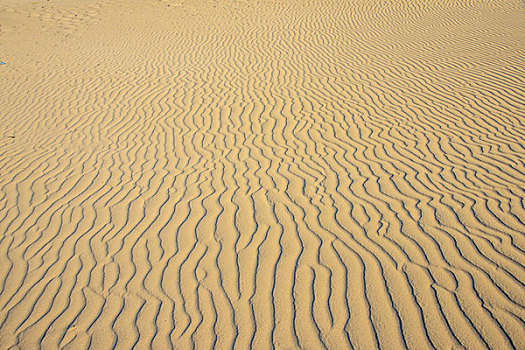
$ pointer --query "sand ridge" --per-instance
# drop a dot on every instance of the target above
(262, 174)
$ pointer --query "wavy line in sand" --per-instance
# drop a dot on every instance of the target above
(265, 175)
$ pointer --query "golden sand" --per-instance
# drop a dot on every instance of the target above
(262, 174)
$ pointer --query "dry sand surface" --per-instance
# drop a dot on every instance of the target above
(262, 174)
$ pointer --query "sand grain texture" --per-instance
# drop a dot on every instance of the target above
(262, 174)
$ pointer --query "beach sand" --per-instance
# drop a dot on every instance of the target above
(262, 174)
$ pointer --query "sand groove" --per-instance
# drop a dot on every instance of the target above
(263, 174)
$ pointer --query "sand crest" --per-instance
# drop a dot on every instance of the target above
(262, 174)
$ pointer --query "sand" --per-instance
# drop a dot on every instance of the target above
(262, 174)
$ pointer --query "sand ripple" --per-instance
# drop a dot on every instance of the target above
(263, 174)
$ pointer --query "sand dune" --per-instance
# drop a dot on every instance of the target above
(262, 174)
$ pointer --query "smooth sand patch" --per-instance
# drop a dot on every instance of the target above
(262, 174)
